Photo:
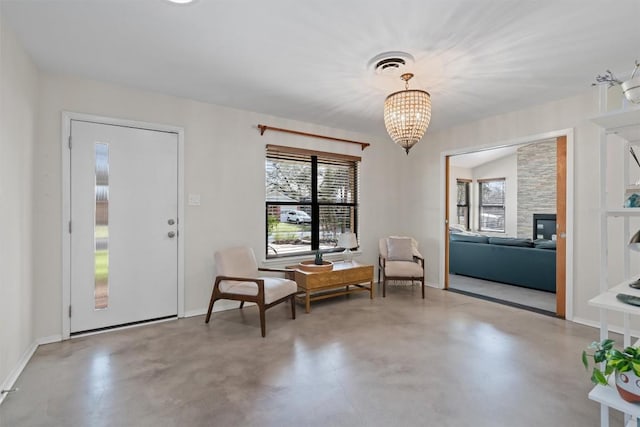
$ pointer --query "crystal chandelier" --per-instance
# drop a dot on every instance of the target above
(407, 114)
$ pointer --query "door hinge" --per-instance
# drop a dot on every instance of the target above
(69, 311)
(69, 142)
(69, 227)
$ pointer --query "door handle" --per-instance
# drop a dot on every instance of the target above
(171, 234)
(171, 222)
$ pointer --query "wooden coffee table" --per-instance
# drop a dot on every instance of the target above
(344, 279)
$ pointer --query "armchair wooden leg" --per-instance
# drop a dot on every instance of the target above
(384, 286)
(293, 306)
(241, 304)
(213, 293)
(423, 289)
(262, 320)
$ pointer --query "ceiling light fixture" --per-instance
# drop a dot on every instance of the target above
(407, 114)
(181, 1)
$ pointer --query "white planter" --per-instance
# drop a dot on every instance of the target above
(628, 385)
(631, 90)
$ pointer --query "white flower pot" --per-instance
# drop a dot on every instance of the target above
(631, 90)
(628, 385)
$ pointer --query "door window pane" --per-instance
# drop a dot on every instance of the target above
(101, 228)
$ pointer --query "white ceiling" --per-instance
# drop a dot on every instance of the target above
(307, 59)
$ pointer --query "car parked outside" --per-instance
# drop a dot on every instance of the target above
(297, 217)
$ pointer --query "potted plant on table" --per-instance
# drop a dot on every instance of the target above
(624, 364)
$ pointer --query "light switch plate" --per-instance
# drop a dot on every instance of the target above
(194, 200)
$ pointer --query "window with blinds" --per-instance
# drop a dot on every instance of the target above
(311, 198)
(492, 209)
(462, 203)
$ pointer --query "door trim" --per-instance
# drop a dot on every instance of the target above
(67, 116)
(569, 202)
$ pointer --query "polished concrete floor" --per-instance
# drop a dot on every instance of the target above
(533, 298)
(448, 360)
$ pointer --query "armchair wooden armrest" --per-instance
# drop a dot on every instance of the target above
(277, 270)
(381, 261)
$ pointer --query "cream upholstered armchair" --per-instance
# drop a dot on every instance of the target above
(399, 259)
(238, 280)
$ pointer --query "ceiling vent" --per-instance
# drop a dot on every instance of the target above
(391, 63)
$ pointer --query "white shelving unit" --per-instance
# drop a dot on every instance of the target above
(624, 123)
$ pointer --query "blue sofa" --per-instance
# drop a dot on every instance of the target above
(520, 262)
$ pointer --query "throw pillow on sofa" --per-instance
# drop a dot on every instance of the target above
(544, 244)
(399, 249)
(511, 241)
(457, 228)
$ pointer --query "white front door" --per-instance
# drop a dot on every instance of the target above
(124, 208)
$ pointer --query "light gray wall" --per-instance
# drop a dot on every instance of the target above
(536, 183)
(18, 111)
(224, 163)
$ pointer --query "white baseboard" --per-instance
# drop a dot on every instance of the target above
(221, 305)
(587, 322)
(613, 328)
(8, 383)
(48, 340)
(193, 313)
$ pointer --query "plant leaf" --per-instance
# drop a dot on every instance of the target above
(585, 361)
(598, 378)
(623, 366)
(608, 370)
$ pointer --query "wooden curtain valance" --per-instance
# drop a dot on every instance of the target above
(263, 128)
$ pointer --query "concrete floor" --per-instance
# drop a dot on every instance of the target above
(448, 360)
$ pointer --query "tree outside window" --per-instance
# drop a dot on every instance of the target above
(491, 206)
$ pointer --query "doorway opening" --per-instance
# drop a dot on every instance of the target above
(505, 239)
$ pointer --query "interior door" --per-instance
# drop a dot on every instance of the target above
(446, 221)
(124, 249)
(561, 226)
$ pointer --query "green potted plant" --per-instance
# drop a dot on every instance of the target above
(624, 364)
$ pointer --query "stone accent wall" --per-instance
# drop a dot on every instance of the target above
(536, 183)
